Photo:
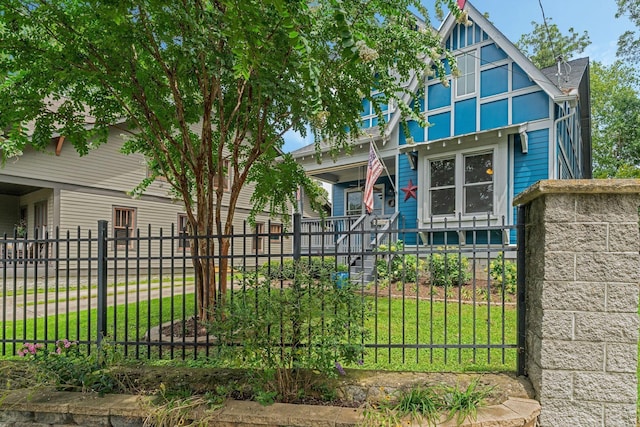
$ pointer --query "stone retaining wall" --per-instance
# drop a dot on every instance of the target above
(66, 409)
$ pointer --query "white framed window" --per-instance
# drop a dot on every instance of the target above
(354, 203)
(461, 183)
(466, 81)
(478, 183)
(442, 188)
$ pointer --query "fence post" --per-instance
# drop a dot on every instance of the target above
(297, 236)
(521, 300)
(102, 281)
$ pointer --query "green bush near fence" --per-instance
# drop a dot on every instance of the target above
(394, 266)
(504, 273)
(448, 269)
(443, 269)
(318, 267)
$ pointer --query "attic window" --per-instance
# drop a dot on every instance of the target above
(466, 82)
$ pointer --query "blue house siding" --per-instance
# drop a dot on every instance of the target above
(494, 114)
(532, 106)
(438, 96)
(494, 81)
(408, 209)
(338, 199)
(491, 53)
(520, 79)
(533, 166)
(441, 126)
(465, 117)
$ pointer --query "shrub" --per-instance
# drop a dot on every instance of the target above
(68, 369)
(395, 266)
(305, 327)
(274, 270)
(448, 269)
(318, 267)
(504, 273)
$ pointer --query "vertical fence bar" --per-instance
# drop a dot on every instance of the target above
(102, 281)
(297, 236)
(521, 297)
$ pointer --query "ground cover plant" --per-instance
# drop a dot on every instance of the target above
(429, 405)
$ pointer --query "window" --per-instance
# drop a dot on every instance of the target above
(478, 183)
(355, 204)
(466, 81)
(259, 238)
(275, 232)
(124, 222)
(183, 233)
(462, 183)
(370, 116)
(225, 179)
(442, 191)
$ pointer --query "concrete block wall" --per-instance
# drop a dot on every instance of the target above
(582, 274)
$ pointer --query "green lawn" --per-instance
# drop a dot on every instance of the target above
(393, 323)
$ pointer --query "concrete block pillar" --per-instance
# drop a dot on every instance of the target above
(582, 275)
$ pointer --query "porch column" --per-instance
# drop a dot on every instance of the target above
(582, 269)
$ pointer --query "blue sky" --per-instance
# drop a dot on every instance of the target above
(513, 18)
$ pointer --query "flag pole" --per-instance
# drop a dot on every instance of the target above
(384, 166)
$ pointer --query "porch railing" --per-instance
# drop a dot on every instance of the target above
(319, 235)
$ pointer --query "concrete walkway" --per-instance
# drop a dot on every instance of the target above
(19, 305)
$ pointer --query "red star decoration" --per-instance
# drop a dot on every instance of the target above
(410, 191)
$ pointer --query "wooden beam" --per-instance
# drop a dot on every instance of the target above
(59, 146)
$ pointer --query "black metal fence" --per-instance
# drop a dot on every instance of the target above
(447, 294)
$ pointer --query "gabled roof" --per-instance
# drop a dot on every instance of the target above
(571, 74)
(501, 41)
(506, 45)
(546, 79)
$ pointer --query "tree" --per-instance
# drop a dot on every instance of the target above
(629, 42)
(203, 82)
(615, 102)
(546, 43)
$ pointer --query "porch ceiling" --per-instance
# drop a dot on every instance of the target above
(16, 189)
(349, 172)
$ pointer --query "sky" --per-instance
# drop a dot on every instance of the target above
(513, 18)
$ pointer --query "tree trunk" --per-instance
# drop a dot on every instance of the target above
(203, 258)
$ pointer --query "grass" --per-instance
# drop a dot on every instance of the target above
(395, 323)
(451, 325)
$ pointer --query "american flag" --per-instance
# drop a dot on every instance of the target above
(374, 169)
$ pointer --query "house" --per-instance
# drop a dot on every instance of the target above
(498, 126)
(56, 189)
